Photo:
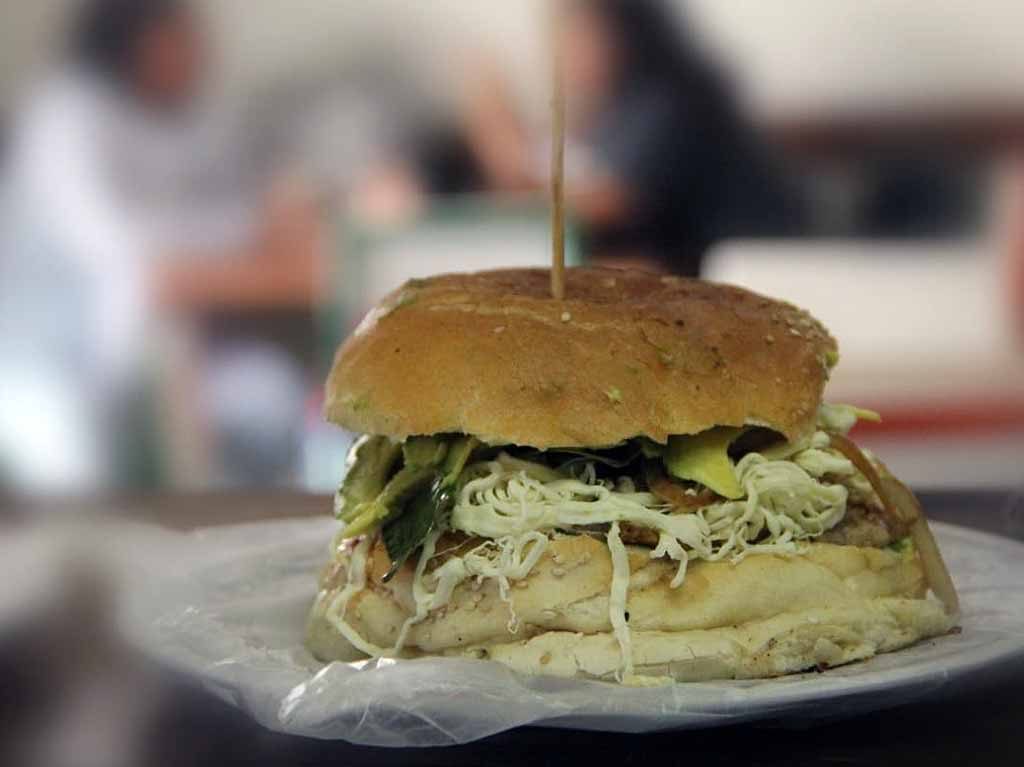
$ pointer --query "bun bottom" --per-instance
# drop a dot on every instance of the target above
(766, 616)
(786, 644)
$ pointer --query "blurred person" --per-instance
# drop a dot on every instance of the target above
(127, 191)
(661, 163)
(669, 165)
(1011, 209)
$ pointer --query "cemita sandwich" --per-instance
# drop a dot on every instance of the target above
(639, 481)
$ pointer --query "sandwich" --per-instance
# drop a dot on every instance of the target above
(639, 483)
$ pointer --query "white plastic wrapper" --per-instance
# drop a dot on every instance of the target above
(229, 607)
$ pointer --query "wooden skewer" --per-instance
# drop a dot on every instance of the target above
(557, 158)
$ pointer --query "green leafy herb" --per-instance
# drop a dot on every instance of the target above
(429, 509)
(406, 534)
(902, 546)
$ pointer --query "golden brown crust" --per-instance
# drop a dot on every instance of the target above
(626, 354)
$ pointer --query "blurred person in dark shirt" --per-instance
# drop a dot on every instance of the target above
(1011, 209)
(661, 162)
(673, 165)
(129, 194)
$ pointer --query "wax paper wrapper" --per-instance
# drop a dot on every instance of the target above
(228, 606)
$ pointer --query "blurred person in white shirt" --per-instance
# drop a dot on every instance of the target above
(125, 193)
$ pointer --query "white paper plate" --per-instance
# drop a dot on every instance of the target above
(233, 615)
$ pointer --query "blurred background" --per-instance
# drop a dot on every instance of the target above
(199, 200)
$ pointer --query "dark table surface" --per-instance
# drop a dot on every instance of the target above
(165, 719)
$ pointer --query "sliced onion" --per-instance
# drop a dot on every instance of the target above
(674, 493)
(900, 514)
(934, 567)
(903, 509)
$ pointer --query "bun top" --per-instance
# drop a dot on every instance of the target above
(626, 354)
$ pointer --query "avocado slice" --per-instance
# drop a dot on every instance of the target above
(424, 452)
(391, 502)
(704, 458)
(371, 463)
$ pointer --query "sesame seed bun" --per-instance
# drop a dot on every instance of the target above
(626, 354)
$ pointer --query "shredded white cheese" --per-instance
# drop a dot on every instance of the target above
(783, 500)
(507, 500)
(617, 599)
(356, 582)
(424, 599)
(504, 561)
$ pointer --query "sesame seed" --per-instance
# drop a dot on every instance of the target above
(558, 572)
(795, 332)
(770, 338)
(566, 317)
(499, 330)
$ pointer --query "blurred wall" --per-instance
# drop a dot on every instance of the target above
(27, 31)
(835, 55)
(269, 41)
(798, 56)
(273, 38)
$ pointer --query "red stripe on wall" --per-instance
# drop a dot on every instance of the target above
(955, 417)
